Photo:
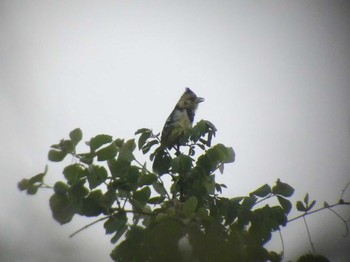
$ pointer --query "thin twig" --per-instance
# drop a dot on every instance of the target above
(89, 225)
(280, 233)
(344, 189)
(317, 210)
(344, 221)
(309, 235)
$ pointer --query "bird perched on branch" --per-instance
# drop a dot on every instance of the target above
(180, 119)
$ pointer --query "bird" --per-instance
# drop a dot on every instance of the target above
(180, 120)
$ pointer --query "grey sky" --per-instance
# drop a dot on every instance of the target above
(275, 76)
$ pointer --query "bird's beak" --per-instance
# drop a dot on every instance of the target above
(199, 99)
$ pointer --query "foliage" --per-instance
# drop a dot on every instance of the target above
(147, 218)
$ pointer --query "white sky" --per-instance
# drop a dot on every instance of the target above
(275, 76)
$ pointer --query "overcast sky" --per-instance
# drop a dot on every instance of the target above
(275, 76)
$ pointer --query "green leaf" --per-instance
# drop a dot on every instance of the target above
(78, 191)
(147, 147)
(159, 188)
(73, 173)
(147, 179)
(86, 158)
(66, 146)
(209, 184)
(115, 223)
(156, 200)
(91, 204)
(56, 156)
(133, 177)
(37, 179)
(143, 138)
(143, 130)
(286, 204)
(60, 188)
(107, 152)
(142, 195)
(190, 206)
(313, 202)
(62, 209)
(118, 168)
(32, 189)
(262, 191)
(23, 184)
(98, 141)
(229, 154)
(119, 233)
(249, 202)
(97, 175)
(282, 189)
(181, 164)
(162, 162)
(306, 199)
(126, 151)
(76, 135)
(300, 206)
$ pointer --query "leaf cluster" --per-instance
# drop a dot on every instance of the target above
(147, 218)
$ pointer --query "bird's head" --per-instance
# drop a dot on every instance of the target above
(189, 100)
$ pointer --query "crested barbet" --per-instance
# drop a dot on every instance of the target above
(181, 119)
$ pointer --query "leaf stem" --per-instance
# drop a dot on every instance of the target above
(89, 225)
(309, 235)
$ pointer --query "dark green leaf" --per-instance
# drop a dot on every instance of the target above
(300, 206)
(306, 199)
(159, 188)
(126, 151)
(147, 147)
(209, 184)
(91, 204)
(115, 223)
(229, 154)
(249, 202)
(119, 233)
(143, 130)
(118, 168)
(190, 206)
(87, 158)
(32, 189)
(156, 200)
(181, 164)
(73, 173)
(286, 204)
(142, 195)
(282, 189)
(37, 179)
(97, 175)
(76, 135)
(78, 191)
(146, 179)
(107, 152)
(56, 156)
(221, 168)
(66, 146)
(62, 209)
(218, 188)
(98, 141)
(162, 162)
(133, 177)
(262, 191)
(23, 184)
(313, 202)
(60, 188)
(143, 138)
